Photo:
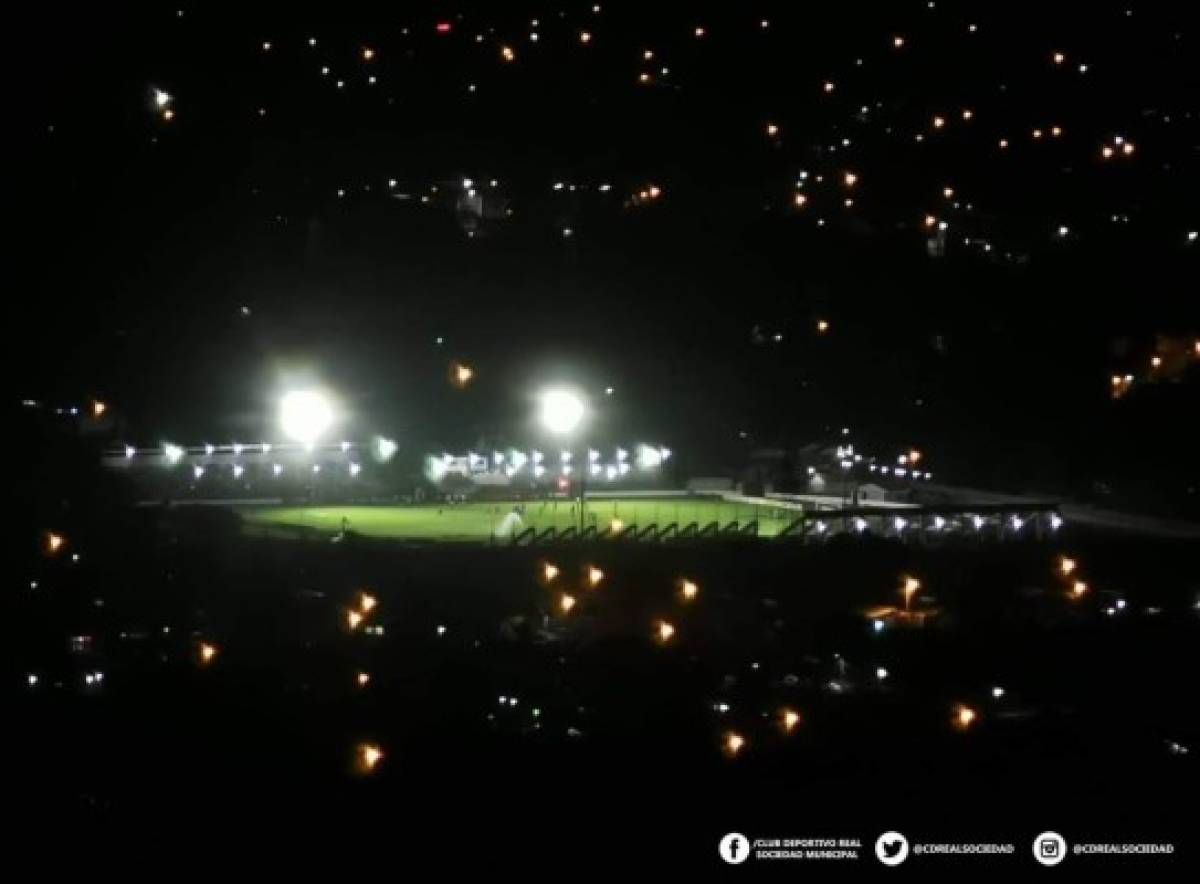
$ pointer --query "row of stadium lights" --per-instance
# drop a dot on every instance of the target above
(648, 458)
(901, 524)
(384, 447)
(238, 470)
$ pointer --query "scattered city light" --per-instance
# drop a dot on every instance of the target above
(369, 756)
(789, 719)
(964, 717)
(733, 743)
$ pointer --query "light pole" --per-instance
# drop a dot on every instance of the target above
(561, 412)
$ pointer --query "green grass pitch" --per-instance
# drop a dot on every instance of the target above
(483, 521)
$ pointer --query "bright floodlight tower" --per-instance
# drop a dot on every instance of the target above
(304, 415)
(561, 412)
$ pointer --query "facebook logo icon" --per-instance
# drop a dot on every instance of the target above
(734, 848)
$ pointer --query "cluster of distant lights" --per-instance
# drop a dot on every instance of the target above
(361, 614)
(941, 121)
(514, 461)
(650, 71)
(905, 467)
(1122, 384)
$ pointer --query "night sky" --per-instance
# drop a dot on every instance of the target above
(679, 225)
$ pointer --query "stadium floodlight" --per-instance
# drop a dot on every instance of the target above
(1055, 521)
(130, 451)
(237, 447)
(595, 469)
(197, 471)
(561, 411)
(938, 523)
(436, 468)
(901, 523)
(498, 457)
(648, 458)
(519, 459)
(860, 525)
(566, 469)
(345, 445)
(316, 468)
(266, 448)
(537, 456)
(664, 453)
(622, 454)
(238, 469)
(209, 449)
(1018, 523)
(304, 415)
(277, 469)
(977, 521)
(610, 472)
(172, 453)
(355, 469)
(593, 455)
(385, 448)
(539, 471)
(510, 471)
(623, 468)
(565, 456)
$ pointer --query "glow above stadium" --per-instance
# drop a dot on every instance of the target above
(561, 411)
(304, 415)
